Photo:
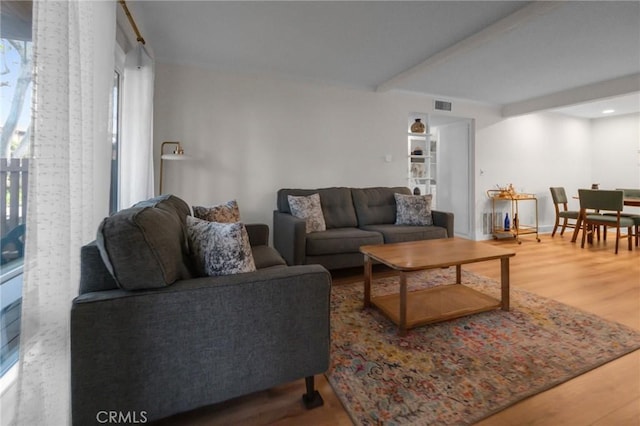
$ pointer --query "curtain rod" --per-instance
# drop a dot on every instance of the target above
(132, 22)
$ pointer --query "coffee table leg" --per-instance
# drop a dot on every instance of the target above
(458, 274)
(402, 327)
(367, 281)
(504, 278)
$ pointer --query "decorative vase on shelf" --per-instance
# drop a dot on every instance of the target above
(418, 126)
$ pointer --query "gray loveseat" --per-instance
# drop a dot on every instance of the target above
(354, 217)
(149, 339)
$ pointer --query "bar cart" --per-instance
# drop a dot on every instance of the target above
(516, 229)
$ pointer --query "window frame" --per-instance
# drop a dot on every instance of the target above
(115, 128)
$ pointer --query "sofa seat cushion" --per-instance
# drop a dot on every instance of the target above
(266, 257)
(340, 240)
(402, 233)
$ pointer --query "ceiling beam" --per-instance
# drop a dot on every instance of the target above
(577, 95)
(497, 29)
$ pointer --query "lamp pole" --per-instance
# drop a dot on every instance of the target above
(177, 151)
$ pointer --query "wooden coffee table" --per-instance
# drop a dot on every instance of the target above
(409, 310)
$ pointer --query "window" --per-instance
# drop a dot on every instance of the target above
(15, 119)
(116, 118)
(115, 142)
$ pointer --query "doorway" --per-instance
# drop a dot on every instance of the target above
(454, 171)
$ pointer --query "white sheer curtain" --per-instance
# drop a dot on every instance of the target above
(73, 45)
(136, 146)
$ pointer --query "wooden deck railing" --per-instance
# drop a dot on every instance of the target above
(14, 177)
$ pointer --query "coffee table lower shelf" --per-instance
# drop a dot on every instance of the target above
(436, 304)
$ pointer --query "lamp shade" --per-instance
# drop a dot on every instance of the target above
(175, 157)
(177, 154)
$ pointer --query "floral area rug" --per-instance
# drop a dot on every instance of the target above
(460, 371)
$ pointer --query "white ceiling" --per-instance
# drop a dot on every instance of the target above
(605, 107)
(523, 56)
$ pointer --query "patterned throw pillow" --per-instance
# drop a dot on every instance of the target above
(308, 208)
(220, 248)
(222, 213)
(413, 209)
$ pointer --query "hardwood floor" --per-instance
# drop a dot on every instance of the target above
(593, 279)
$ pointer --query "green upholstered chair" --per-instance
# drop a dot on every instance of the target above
(559, 197)
(608, 205)
(632, 193)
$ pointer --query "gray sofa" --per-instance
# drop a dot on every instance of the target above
(178, 341)
(354, 217)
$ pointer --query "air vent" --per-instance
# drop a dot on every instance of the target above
(443, 106)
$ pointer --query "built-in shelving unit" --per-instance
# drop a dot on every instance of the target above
(421, 155)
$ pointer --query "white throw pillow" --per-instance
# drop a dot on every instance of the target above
(223, 213)
(308, 208)
(413, 209)
(220, 248)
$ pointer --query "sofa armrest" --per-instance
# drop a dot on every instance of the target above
(444, 219)
(210, 339)
(258, 234)
(289, 237)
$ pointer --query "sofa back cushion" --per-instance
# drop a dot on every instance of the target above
(337, 205)
(145, 246)
(376, 206)
(170, 203)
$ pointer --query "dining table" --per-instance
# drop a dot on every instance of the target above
(628, 201)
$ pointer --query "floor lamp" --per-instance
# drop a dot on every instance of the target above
(177, 154)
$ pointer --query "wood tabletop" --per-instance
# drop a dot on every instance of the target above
(426, 254)
(632, 201)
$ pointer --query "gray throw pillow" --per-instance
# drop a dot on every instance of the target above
(309, 209)
(413, 209)
(220, 248)
(223, 213)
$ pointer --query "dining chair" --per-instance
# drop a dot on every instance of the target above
(632, 193)
(603, 202)
(560, 201)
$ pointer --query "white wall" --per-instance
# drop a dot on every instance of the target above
(251, 136)
(533, 152)
(616, 151)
